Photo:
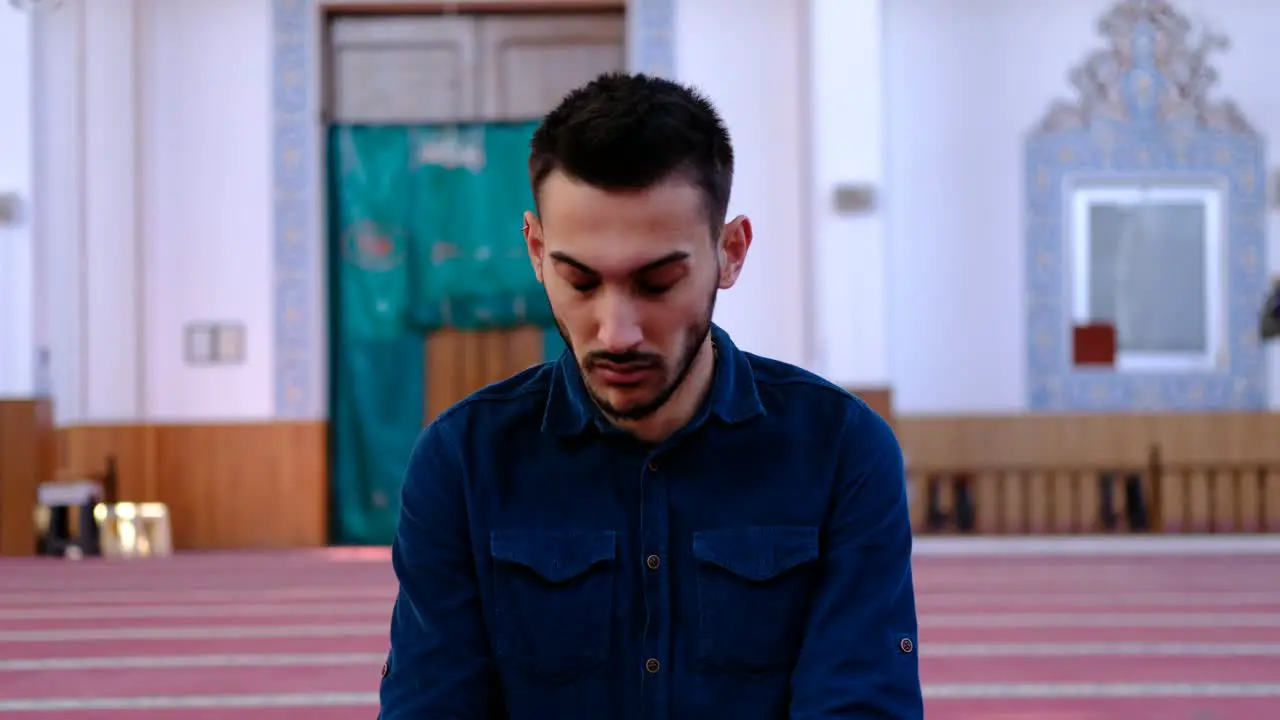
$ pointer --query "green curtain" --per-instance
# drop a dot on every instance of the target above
(424, 234)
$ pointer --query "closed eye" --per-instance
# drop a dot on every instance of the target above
(657, 281)
(652, 290)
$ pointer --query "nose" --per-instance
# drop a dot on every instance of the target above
(619, 324)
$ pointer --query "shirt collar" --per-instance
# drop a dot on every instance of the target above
(733, 397)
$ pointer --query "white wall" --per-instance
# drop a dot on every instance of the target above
(152, 142)
(850, 264)
(809, 119)
(749, 57)
(17, 256)
(966, 81)
(207, 183)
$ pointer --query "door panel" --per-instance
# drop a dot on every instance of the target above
(529, 63)
(402, 69)
(461, 362)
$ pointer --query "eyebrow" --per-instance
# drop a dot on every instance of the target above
(667, 259)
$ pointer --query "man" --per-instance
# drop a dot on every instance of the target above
(658, 524)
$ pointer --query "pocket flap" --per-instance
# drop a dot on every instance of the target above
(556, 556)
(757, 553)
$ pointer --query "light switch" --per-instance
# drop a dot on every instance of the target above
(214, 343)
(198, 344)
(229, 344)
(850, 199)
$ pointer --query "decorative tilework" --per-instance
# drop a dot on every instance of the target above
(298, 236)
(1143, 113)
(651, 31)
(298, 243)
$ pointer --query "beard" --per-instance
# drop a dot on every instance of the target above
(671, 375)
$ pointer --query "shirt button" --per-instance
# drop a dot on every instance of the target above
(652, 562)
(652, 665)
(653, 466)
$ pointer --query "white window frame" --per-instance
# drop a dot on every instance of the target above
(1083, 200)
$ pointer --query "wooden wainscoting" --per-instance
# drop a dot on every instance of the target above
(1057, 439)
(83, 451)
(27, 457)
(242, 485)
(1037, 474)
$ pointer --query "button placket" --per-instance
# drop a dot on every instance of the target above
(653, 561)
(654, 530)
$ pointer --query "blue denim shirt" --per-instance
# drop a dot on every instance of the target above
(755, 565)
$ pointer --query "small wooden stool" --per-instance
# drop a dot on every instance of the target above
(57, 502)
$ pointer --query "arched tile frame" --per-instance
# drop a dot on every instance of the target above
(1115, 130)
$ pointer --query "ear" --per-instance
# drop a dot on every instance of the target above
(533, 241)
(735, 241)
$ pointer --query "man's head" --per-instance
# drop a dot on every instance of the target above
(631, 176)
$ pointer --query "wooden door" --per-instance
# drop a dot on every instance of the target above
(461, 362)
(460, 68)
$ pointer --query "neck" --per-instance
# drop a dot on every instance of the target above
(683, 404)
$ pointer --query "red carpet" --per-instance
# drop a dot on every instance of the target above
(303, 635)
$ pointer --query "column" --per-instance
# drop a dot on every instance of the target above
(750, 58)
(17, 261)
(849, 252)
(86, 208)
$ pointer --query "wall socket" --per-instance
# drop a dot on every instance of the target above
(214, 343)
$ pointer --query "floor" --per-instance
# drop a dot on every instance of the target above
(1091, 629)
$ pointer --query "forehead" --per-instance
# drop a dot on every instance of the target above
(613, 230)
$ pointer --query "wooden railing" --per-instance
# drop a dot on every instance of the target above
(1153, 497)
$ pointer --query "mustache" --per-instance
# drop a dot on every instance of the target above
(626, 359)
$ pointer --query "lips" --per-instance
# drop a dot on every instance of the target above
(623, 374)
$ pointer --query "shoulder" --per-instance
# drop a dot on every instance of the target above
(869, 480)
(508, 405)
(864, 452)
(480, 425)
(804, 397)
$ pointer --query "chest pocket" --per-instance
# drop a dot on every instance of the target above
(754, 586)
(553, 599)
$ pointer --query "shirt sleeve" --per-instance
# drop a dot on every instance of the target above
(859, 655)
(439, 666)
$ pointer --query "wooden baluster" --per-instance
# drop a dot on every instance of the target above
(1247, 498)
(1269, 486)
(987, 502)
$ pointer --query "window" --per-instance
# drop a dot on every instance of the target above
(1149, 261)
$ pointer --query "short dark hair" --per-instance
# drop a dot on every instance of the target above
(631, 131)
